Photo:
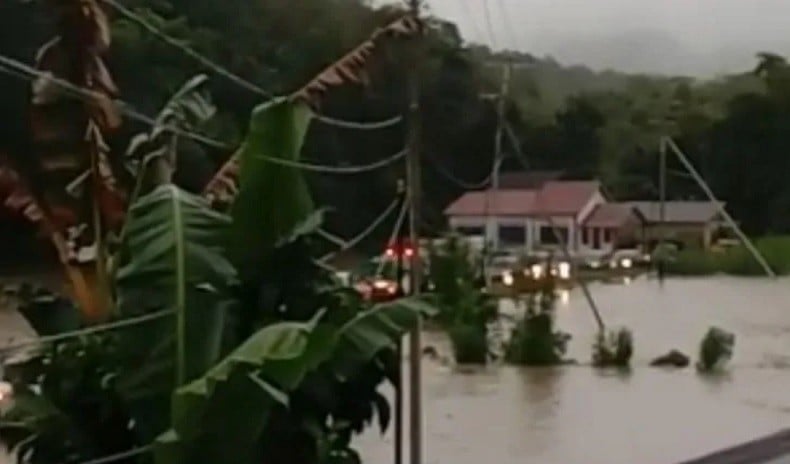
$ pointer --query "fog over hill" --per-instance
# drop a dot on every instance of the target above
(692, 37)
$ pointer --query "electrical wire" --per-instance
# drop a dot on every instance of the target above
(395, 231)
(344, 124)
(365, 233)
(119, 456)
(467, 11)
(335, 169)
(489, 24)
(187, 50)
(88, 331)
(458, 181)
(24, 71)
(511, 31)
(235, 78)
(331, 237)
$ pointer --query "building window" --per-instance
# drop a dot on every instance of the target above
(608, 235)
(549, 236)
(586, 235)
(470, 231)
(512, 235)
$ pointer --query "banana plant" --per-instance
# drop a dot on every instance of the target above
(322, 354)
(79, 201)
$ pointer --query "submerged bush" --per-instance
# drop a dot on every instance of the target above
(470, 344)
(715, 350)
(613, 348)
(534, 342)
(734, 261)
(464, 309)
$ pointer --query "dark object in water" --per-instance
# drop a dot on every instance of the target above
(430, 352)
(672, 359)
(613, 348)
(715, 350)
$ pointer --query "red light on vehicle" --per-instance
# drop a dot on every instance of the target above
(408, 252)
(390, 252)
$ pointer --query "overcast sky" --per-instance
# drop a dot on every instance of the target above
(700, 37)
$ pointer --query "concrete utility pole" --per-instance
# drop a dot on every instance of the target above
(500, 131)
(414, 194)
(662, 207)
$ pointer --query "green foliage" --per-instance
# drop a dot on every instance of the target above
(613, 348)
(173, 259)
(65, 407)
(733, 261)
(464, 310)
(534, 342)
(272, 198)
(470, 344)
(284, 364)
(715, 349)
(188, 109)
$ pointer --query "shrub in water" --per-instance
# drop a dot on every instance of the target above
(470, 344)
(534, 342)
(715, 350)
(613, 348)
(464, 310)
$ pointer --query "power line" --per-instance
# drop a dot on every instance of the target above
(88, 331)
(489, 24)
(187, 50)
(395, 232)
(119, 456)
(467, 11)
(335, 169)
(235, 78)
(24, 71)
(344, 124)
(508, 24)
(366, 232)
(456, 180)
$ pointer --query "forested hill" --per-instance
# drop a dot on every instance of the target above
(587, 123)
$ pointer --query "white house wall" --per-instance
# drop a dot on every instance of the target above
(532, 225)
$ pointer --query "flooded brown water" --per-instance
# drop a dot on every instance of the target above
(578, 415)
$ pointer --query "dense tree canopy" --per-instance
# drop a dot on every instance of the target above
(587, 123)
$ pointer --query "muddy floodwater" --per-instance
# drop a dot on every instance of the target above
(578, 415)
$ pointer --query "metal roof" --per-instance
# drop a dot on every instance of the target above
(687, 212)
(554, 198)
(611, 215)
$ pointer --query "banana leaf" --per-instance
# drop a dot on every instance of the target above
(361, 338)
(225, 412)
(273, 199)
(173, 259)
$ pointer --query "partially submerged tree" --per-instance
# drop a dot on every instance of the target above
(613, 348)
(715, 349)
(534, 340)
(465, 310)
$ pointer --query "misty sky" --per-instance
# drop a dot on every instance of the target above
(700, 37)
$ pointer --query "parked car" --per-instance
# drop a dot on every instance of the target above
(628, 258)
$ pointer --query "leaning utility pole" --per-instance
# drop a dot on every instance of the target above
(414, 194)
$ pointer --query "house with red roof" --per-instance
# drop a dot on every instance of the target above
(542, 215)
